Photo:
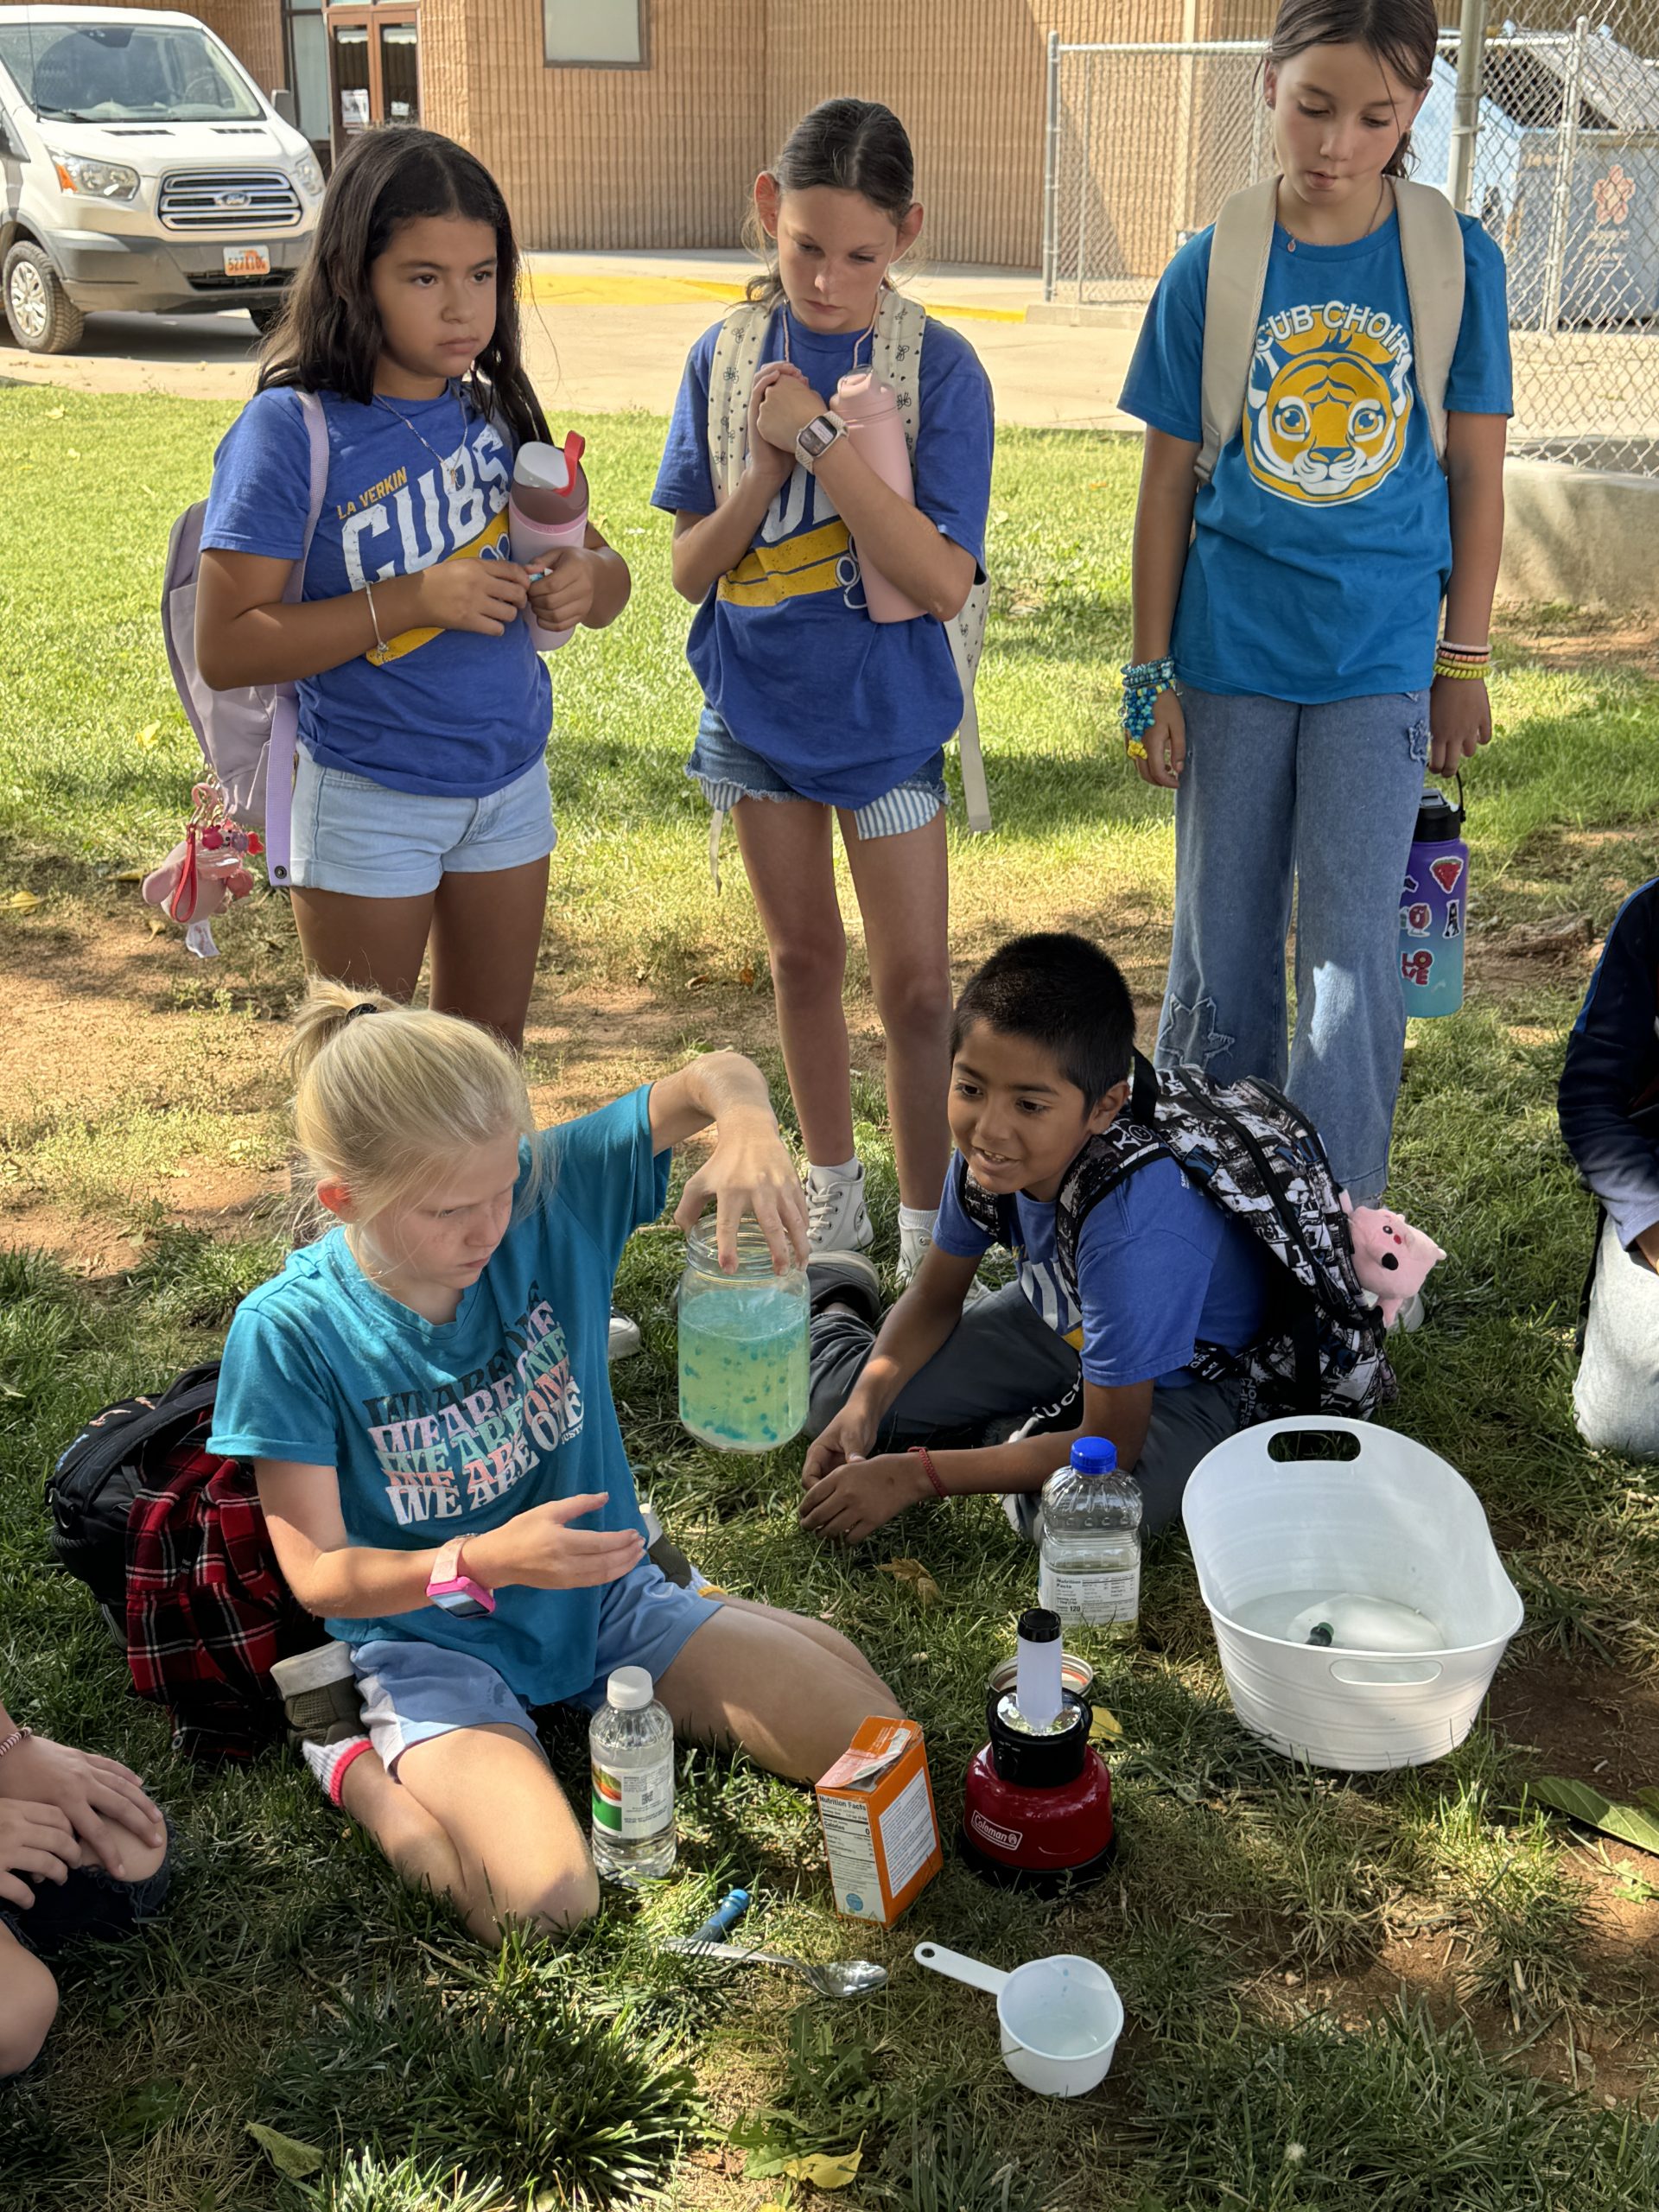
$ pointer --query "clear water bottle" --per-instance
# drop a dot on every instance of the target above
(630, 1744)
(1090, 1572)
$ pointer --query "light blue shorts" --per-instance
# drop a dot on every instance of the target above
(362, 837)
(412, 1690)
(726, 771)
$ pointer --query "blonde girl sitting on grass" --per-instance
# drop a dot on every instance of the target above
(425, 1397)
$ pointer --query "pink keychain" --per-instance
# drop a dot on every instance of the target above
(205, 870)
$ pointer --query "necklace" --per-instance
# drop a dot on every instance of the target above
(1376, 217)
(449, 470)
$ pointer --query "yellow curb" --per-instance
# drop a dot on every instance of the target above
(547, 288)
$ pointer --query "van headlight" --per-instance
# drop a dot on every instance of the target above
(308, 176)
(95, 180)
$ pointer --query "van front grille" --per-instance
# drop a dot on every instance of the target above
(228, 200)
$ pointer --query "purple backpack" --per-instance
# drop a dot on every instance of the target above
(247, 736)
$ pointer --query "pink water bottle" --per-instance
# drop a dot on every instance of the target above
(869, 408)
(547, 508)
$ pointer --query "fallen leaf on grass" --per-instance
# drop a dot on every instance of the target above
(129, 875)
(55, 414)
(145, 739)
(1637, 1824)
(294, 2160)
(158, 926)
(911, 1571)
(21, 901)
(822, 2172)
(1103, 1723)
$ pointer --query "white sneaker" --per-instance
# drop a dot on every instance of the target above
(914, 1244)
(837, 1219)
(624, 1338)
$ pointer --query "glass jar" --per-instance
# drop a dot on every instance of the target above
(743, 1344)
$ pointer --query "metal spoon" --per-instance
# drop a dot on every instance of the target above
(840, 1977)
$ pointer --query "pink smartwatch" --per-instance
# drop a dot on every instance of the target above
(450, 1587)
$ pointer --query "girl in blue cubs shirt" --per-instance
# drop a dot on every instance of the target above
(423, 1394)
(815, 713)
(421, 808)
(1299, 627)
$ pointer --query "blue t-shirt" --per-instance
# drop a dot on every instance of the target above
(1323, 543)
(445, 1430)
(1160, 1271)
(450, 713)
(845, 708)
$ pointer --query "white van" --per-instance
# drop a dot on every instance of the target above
(140, 169)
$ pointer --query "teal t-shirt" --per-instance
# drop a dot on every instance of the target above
(442, 1430)
(1322, 545)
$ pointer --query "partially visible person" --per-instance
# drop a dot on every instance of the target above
(83, 1852)
(1609, 1105)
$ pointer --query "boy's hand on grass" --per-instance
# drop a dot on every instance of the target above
(1459, 722)
(848, 1436)
(1166, 744)
(860, 1495)
(101, 1802)
(34, 1839)
(749, 1172)
(563, 596)
(480, 595)
(539, 1549)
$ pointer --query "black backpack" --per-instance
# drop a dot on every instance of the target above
(89, 1493)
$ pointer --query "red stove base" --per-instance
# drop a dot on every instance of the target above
(1038, 1839)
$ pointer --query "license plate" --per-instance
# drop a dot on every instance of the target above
(246, 261)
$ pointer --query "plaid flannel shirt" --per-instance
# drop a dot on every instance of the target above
(208, 1612)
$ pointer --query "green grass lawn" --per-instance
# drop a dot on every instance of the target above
(1396, 1993)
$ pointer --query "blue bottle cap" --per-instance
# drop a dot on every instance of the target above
(1094, 1455)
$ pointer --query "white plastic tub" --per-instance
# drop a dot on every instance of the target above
(1395, 1523)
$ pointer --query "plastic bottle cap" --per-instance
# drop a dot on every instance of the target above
(1438, 820)
(1094, 1455)
(1037, 1625)
(629, 1690)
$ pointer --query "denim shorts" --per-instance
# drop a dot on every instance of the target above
(726, 771)
(354, 836)
(412, 1690)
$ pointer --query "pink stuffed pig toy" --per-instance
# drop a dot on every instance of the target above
(191, 893)
(1391, 1258)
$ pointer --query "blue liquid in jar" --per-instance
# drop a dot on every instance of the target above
(743, 1365)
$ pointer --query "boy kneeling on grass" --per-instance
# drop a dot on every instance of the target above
(1041, 1046)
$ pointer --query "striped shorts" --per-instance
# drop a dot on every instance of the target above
(726, 771)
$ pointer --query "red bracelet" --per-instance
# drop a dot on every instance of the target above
(920, 1452)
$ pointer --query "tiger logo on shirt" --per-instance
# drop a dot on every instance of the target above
(1328, 403)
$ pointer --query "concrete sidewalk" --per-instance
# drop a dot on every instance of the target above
(606, 332)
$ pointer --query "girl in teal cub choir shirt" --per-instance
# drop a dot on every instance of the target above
(1299, 626)
(425, 1396)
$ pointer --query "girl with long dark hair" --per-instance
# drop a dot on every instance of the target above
(421, 809)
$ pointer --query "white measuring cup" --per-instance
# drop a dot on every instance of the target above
(1060, 2017)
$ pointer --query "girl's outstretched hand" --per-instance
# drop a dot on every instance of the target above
(749, 1172)
(1166, 744)
(1459, 722)
(482, 595)
(539, 1549)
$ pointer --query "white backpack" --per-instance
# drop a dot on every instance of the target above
(249, 736)
(1431, 246)
(896, 356)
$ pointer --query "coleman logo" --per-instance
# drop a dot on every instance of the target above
(1004, 1839)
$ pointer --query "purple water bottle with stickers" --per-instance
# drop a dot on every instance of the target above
(1434, 908)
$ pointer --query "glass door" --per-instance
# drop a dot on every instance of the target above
(374, 66)
(349, 55)
(400, 71)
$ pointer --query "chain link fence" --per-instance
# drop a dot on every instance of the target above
(1145, 141)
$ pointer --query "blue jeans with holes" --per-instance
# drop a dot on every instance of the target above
(1325, 798)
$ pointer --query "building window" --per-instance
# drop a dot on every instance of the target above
(594, 33)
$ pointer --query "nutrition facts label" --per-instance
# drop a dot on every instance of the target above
(1094, 1600)
(907, 1834)
(852, 1857)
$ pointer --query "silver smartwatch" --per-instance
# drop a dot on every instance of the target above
(812, 443)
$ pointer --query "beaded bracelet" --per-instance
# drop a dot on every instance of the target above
(1462, 662)
(10, 1743)
(1142, 681)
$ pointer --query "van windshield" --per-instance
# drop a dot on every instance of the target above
(114, 72)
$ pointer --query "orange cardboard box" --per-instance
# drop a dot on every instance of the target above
(880, 1827)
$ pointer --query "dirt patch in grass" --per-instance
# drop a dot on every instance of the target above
(1591, 1722)
(1575, 638)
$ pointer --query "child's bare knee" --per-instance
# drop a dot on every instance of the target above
(553, 1899)
(28, 2005)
